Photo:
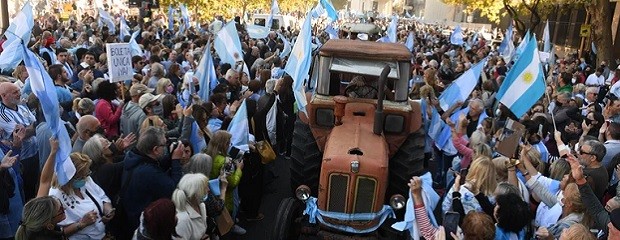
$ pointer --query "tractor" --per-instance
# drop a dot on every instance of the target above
(353, 156)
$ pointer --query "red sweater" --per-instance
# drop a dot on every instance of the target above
(109, 116)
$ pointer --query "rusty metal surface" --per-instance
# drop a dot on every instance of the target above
(365, 50)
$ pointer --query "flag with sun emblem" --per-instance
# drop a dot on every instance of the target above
(524, 83)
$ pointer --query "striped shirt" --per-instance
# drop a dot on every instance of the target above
(9, 119)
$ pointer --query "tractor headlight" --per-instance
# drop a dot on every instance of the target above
(397, 201)
(302, 192)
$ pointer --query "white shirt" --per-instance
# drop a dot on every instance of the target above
(76, 208)
(191, 224)
(593, 80)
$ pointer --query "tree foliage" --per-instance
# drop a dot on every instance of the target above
(207, 9)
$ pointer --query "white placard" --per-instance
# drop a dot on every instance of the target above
(544, 56)
(119, 61)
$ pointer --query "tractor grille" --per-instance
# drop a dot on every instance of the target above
(365, 195)
(337, 198)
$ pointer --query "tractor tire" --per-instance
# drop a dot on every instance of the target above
(287, 225)
(306, 158)
(406, 163)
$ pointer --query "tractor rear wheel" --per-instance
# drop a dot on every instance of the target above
(306, 158)
(406, 163)
(288, 220)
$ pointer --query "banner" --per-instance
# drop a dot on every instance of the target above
(119, 61)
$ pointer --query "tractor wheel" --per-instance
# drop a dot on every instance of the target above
(288, 220)
(407, 162)
(306, 158)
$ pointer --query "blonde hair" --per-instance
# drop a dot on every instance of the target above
(190, 191)
(82, 165)
(151, 121)
(18, 71)
(85, 105)
(534, 155)
(162, 83)
(482, 176)
(501, 168)
(219, 144)
(578, 231)
(37, 213)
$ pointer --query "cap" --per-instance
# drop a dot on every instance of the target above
(618, 68)
(139, 89)
(146, 99)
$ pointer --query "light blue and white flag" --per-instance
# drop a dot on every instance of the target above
(257, 31)
(391, 31)
(318, 10)
(332, 14)
(287, 46)
(124, 27)
(457, 36)
(524, 83)
(436, 124)
(521, 47)
(410, 40)
(299, 61)
(16, 35)
(462, 87)
(546, 38)
(228, 46)
(205, 73)
(43, 87)
(331, 31)
(275, 9)
(185, 16)
(170, 18)
(105, 18)
(507, 39)
(594, 50)
(136, 50)
(239, 129)
(407, 14)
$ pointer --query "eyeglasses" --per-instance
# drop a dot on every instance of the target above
(581, 152)
(141, 63)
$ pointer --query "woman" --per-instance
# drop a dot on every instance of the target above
(81, 107)
(157, 72)
(86, 206)
(107, 112)
(158, 221)
(573, 212)
(174, 74)
(107, 170)
(164, 86)
(512, 215)
(479, 186)
(286, 121)
(40, 218)
(172, 113)
(188, 199)
(21, 75)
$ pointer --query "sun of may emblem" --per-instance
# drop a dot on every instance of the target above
(528, 77)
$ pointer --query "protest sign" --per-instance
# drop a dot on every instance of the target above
(119, 61)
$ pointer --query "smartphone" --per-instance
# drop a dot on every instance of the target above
(463, 173)
(451, 223)
(233, 152)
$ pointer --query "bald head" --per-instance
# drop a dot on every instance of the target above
(87, 126)
(10, 94)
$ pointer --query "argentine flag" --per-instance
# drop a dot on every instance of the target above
(228, 46)
(462, 87)
(524, 83)
(287, 46)
(205, 73)
(18, 32)
(331, 11)
(409, 42)
(257, 31)
(275, 9)
(136, 50)
(546, 38)
(43, 87)
(124, 27)
(299, 61)
(457, 36)
(391, 32)
(105, 18)
(239, 129)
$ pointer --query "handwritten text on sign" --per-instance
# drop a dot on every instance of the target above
(119, 61)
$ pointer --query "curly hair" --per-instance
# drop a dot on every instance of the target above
(512, 213)
(106, 90)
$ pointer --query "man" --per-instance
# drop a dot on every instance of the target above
(87, 126)
(612, 109)
(16, 118)
(137, 63)
(88, 62)
(591, 154)
(133, 115)
(591, 97)
(277, 71)
(148, 103)
(146, 176)
(614, 77)
(596, 79)
(476, 110)
(61, 79)
(234, 85)
(612, 146)
(170, 59)
(63, 55)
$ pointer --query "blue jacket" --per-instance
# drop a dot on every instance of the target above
(149, 182)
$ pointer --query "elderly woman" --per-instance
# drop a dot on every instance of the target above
(107, 169)
(86, 206)
(164, 86)
(188, 198)
(573, 212)
(40, 218)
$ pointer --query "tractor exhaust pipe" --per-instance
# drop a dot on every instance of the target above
(378, 127)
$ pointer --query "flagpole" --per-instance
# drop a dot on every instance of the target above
(555, 128)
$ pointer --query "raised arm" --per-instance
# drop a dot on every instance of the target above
(48, 170)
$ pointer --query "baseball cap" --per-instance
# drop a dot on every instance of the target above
(139, 89)
(146, 99)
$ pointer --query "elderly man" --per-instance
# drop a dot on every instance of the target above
(591, 154)
(150, 174)
(87, 126)
(15, 118)
(133, 115)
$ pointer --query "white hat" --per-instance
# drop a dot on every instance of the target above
(147, 98)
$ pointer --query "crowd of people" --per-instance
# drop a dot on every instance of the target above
(153, 162)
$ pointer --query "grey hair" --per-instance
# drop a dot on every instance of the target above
(598, 149)
(189, 191)
(505, 188)
(270, 85)
(478, 102)
(157, 70)
(94, 149)
(150, 138)
(199, 163)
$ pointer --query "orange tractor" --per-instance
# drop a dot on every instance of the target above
(358, 146)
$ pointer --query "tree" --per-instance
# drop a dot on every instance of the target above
(600, 10)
